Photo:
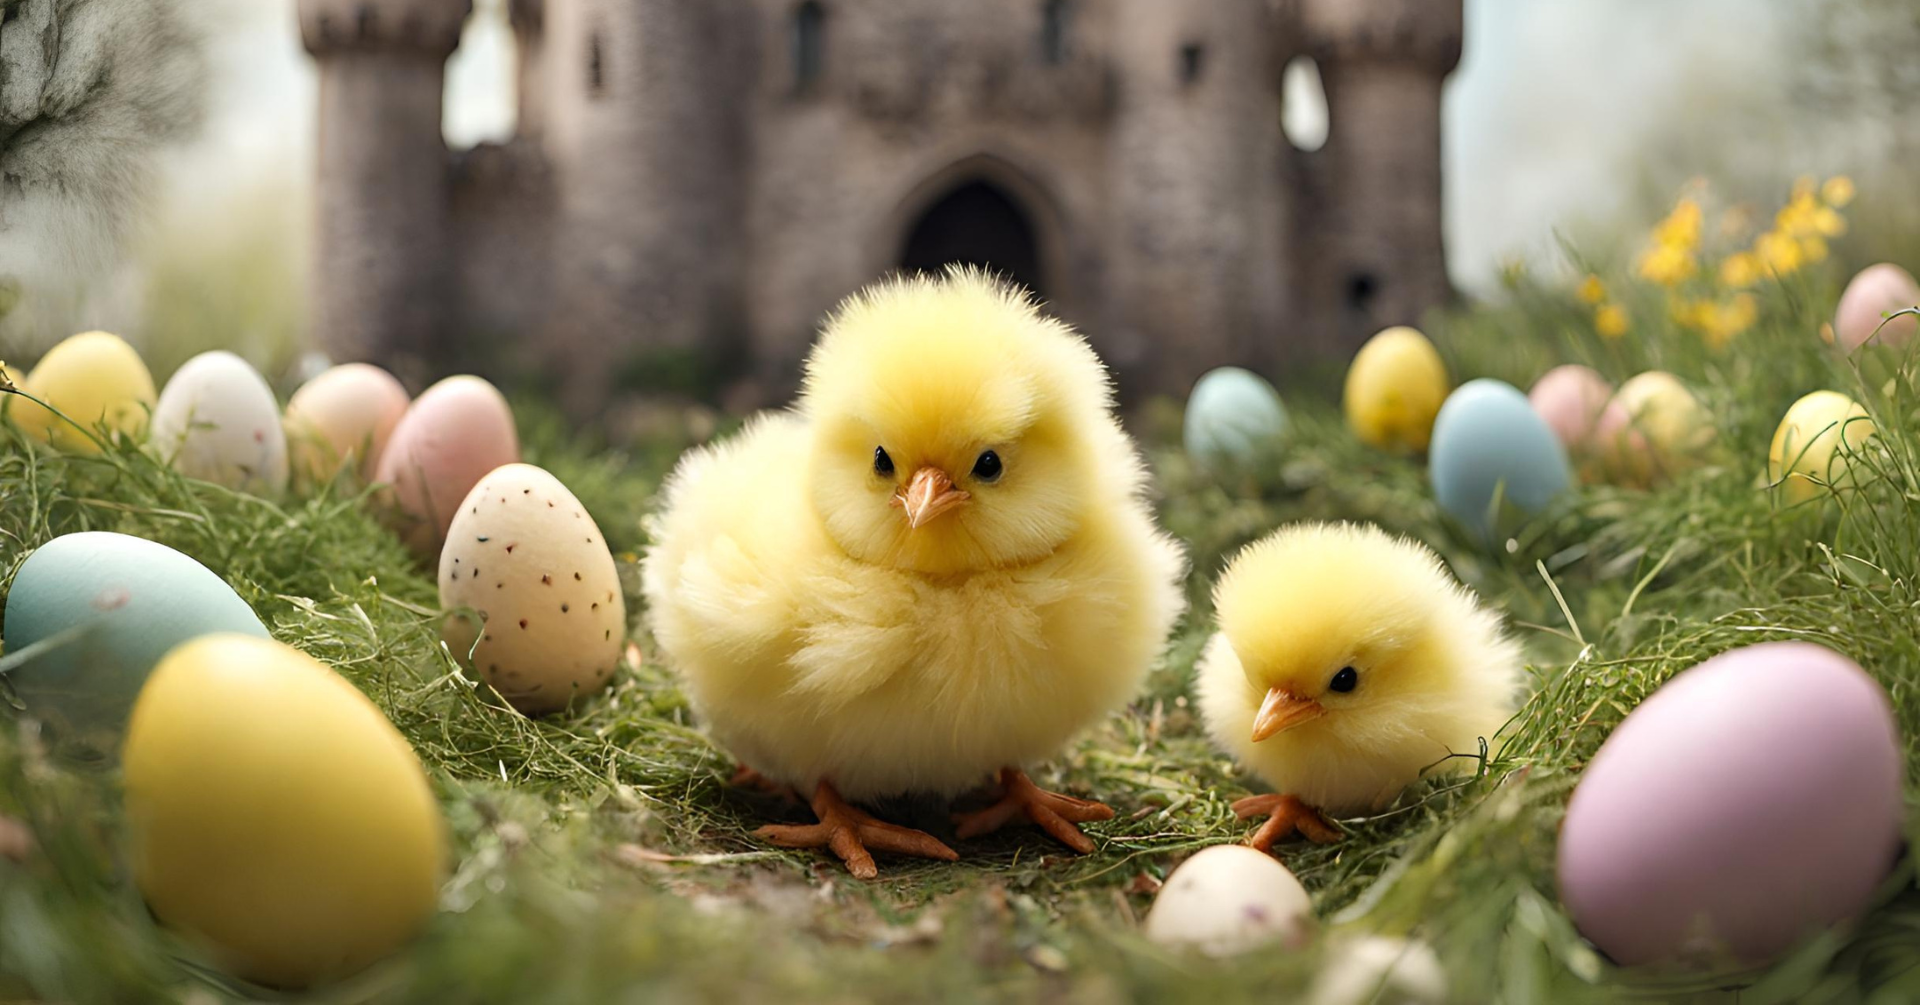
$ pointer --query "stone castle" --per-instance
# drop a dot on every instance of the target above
(694, 183)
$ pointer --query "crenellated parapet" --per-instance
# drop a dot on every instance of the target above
(1423, 33)
(431, 27)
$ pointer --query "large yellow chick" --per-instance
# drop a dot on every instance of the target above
(1348, 661)
(936, 567)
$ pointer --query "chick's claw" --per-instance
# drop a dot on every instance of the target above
(850, 832)
(1053, 812)
(1285, 815)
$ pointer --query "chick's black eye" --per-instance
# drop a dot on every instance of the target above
(882, 464)
(1346, 680)
(987, 467)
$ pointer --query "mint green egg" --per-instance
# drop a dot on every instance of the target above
(1233, 417)
(90, 614)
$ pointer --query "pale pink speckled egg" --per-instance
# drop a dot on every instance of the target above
(1570, 398)
(1749, 803)
(455, 432)
(1876, 291)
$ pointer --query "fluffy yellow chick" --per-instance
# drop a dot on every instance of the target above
(936, 567)
(1347, 662)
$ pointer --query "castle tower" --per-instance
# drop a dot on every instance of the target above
(381, 235)
(1194, 167)
(1377, 179)
(644, 129)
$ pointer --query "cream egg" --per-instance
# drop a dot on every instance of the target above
(1228, 899)
(537, 606)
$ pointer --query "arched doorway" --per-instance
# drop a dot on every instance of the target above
(977, 223)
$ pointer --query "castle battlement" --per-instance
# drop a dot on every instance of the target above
(694, 184)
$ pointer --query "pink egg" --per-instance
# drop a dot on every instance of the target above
(1571, 398)
(1876, 291)
(343, 416)
(1751, 802)
(456, 432)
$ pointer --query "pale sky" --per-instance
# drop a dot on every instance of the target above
(1552, 103)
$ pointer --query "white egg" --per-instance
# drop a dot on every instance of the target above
(1228, 899)
(217, 421)
(1374, 968)
(524, 556)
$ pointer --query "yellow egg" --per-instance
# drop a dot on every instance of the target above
(1652, 430)
(275, 814)
(1394, 389)
(1803, 448)
(95, 379)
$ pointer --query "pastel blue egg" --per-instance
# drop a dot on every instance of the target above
(1233, 415)
(102, 609)
(1487, 439)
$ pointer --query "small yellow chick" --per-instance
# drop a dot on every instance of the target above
(936, 567)
(1347, 662)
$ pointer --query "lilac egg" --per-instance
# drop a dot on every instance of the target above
(1749, 803)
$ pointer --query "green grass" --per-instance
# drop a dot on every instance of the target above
(603, 857)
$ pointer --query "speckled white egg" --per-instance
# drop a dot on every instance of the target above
(217, 421)
(342, 418)
(454, 433)
(1228, 899)
(533, 591)
(1232, 417)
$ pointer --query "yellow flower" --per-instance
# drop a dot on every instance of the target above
(1592, 290)
(1827, 222)
(1739, 270)
(1813, 248)
(1779, 252)
(1803, 187)
(1610, 321)
(1666, 264)
(1838, 191)
(1681, 228)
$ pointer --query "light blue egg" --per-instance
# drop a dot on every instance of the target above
(1487, 439)
(90, 614)
(1233, 416)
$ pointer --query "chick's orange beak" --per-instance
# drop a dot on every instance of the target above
(1283, 710)
(928, 494)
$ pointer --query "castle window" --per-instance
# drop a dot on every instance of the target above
(809, 45)
(1053, 32)
(1193, 59)
(596, 65)
(1303, 104)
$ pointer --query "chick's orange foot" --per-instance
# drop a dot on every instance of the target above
(850, 832)
(749, 778)
(1285, 815)
(1053, 812)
